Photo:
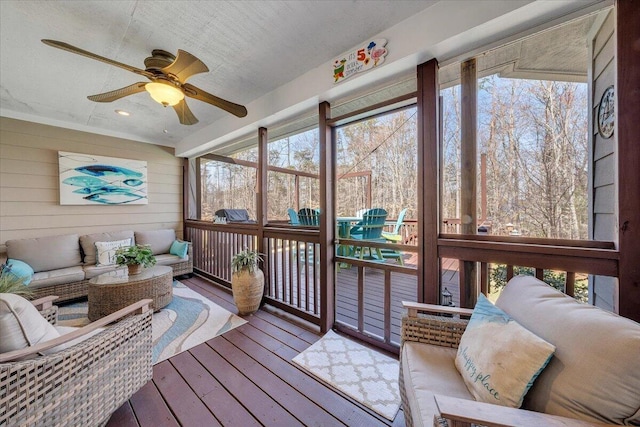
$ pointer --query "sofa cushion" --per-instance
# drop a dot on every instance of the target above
(46, 253)
(106, 251)
(88, 242)
(168, 259)
(179, 248)
(595, 372)
(57, 277)
(159, 240)
(21, 325)
(428, 370)
(19, 270)
(499, 359)
(91, 271)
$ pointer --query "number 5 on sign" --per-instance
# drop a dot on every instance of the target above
(361, 59)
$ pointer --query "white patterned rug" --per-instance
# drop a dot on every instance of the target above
(190, 319)
(369, 377)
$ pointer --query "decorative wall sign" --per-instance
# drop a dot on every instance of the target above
(362, 59)
(86, 179)
(606, 113)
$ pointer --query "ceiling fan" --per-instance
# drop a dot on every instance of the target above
(168, 75)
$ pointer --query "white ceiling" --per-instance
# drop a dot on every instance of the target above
(274, 57)
(250, 47)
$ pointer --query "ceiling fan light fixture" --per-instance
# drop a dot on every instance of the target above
(164, 93)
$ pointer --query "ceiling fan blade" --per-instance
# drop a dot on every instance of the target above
(185, 66)
(73, 49)
(184, 113)
(118, 93)
(199, 94)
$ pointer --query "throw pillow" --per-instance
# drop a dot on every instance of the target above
(106, 251)
(179, 248)
(498, 358)
(21, 324)
(19, 269)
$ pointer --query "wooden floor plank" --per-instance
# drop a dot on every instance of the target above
(340, 407)
(222, 404)
(257, 402)
(123, 417)
(280, 391)
(243, 378)
(150, 408)
(183, 401)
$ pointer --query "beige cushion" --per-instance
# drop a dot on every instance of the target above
(63, 330)
(159, 240)
(428, 370)
(499, 359)
(106, 251)
(167, 259)
(46, 253)
(57, 277)
(21, 325)
(88, 242)
(92, 271)
(595, 372)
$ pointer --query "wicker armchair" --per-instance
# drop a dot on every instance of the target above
(84, 383)
(444, 326)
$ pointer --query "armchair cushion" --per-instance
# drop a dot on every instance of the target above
(498, 358)
(21, 324)
(595, 372)
(428, 370)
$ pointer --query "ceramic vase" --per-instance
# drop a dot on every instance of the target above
(247, 290)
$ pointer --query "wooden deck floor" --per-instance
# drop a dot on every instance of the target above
(244, 377)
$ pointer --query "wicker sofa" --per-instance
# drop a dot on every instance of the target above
(83, 383)
(64, 264)
(592, 378)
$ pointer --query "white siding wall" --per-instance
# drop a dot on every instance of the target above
(603, 290)
(29, 194)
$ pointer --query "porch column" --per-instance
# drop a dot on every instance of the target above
(261, 190)
(428, 203)
(327, 219)
(627, 126)
(468, 159)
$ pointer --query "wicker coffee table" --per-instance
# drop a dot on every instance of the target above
(109, 292)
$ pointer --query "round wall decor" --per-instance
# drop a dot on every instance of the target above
(606, 113)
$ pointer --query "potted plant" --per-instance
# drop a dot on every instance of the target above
(247, 281)
(135, 258)
(11, 283)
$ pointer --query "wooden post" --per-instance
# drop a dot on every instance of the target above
(198, 188)
(428, 203)
(261, 197)
(327, 218)
(627, 127)
(468, 154)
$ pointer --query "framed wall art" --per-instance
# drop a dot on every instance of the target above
(86, 179)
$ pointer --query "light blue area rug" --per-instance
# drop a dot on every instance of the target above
(190, 319)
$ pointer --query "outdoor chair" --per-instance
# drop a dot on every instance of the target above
(396, 237)
(308, 216)
(77, 379)
(293, 217)
(369, 229)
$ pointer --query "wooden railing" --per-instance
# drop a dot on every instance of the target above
(568, 256)
(215, 244)
(292, 260)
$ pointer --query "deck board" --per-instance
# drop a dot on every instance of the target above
(244, 377)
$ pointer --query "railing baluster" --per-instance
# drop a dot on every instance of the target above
(539, 273)
(387, 306)
(509, 272)
(569, 284)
